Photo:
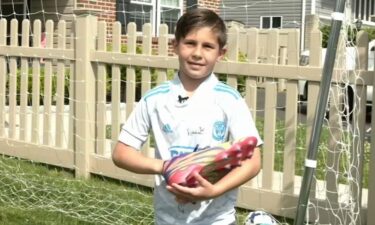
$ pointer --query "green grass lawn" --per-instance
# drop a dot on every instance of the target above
(38, 194)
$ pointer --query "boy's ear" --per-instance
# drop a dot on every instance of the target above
(222, 53)
(174, 45)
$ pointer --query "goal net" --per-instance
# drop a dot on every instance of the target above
(58, 125)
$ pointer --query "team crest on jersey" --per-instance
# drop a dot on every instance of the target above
(167, 129)
(218, 131)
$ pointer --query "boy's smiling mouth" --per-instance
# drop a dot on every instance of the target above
(195, 64)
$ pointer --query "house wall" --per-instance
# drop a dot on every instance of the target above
(210, 4)
(56, 11)
(52, 10)
(249, 14)
(363, 9)
(324, 8)
(64, 10)
(107, 9)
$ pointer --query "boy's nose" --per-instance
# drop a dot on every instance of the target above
(197, 52)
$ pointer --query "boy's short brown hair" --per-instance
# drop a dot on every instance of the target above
(198, 18)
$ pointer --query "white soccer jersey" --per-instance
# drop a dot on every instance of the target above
(215, 113)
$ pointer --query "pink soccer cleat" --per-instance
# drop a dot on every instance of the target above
(212, 163)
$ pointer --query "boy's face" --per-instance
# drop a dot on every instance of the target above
(198, 53)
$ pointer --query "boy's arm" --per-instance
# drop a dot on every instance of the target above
(128, 158)
(205, 190)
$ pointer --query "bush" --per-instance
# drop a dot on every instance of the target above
(352, 33)
(41, 85)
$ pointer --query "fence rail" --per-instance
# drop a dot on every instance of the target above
(56, 106)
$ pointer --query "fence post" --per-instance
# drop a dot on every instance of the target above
(84, 91)
(233, 50)
(359, 120)
(371, 182)
(3, 74)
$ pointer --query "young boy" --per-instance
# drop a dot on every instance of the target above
(186, 114)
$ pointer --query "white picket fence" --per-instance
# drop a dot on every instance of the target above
(76, 127)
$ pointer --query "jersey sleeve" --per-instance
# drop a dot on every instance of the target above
(135, 131)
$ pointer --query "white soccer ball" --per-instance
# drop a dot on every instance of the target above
(260, 218)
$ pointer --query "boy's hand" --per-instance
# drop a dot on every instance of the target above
(202, 191)
(211, 163)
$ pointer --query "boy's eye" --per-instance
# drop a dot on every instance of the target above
(190, 43)
(209, 46)
(194, 43)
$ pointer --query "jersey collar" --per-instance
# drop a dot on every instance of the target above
(179, 93)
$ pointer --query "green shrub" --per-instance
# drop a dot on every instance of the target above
(41, 86)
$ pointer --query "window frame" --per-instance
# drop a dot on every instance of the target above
(158, 15)
(271, 22)
(156, 6)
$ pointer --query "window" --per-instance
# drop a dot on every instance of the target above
(270, 22)
(155, 12)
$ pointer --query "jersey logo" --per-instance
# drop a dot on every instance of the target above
(181, 150)
(218, 131)
(182, 99)
(167, 129)
(196, 131)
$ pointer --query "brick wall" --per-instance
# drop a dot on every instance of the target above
(109, 7)
(210, 4)
(107, 10)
